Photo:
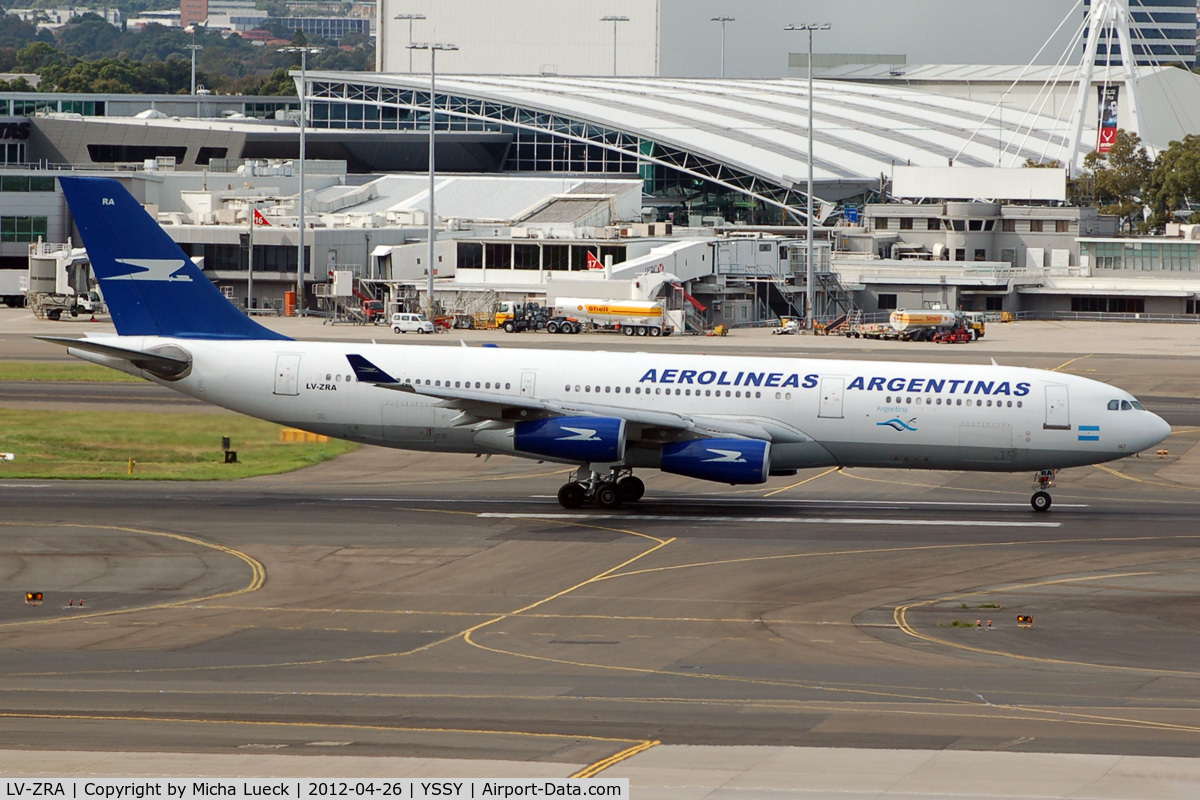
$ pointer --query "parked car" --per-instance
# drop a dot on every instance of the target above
(414, 323)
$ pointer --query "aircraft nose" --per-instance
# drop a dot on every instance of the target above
(1156, 430)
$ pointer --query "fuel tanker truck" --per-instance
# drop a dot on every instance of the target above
(924, 326)
(631, 317)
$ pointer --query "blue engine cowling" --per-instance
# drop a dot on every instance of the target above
(599, 440)
(722, 460)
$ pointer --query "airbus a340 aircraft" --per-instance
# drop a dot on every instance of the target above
(734, 420)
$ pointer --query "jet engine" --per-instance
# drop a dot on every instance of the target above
(598, 440)
(722, 460)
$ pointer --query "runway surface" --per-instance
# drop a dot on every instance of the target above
(460, 612)
(401, 605)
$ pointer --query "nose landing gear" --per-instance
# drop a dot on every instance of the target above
(1042, 483)
(607, 491)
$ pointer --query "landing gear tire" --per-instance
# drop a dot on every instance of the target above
(571, 495)
(631, 489)
(1040, 501)
(607, 496)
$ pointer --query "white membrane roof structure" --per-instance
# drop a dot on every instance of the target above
(750, 135)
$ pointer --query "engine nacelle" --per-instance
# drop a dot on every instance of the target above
(597, 440)
(721, 460)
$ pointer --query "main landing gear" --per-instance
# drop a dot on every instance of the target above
(1042, 482)
(607, 491)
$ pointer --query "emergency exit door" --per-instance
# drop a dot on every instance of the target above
(287, 374)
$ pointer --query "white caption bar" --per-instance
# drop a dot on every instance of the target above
(311, 788)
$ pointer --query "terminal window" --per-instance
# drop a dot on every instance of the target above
(22, 229)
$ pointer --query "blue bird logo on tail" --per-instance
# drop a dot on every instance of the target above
(897, 424)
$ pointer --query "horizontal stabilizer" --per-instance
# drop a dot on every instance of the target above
(158, 363)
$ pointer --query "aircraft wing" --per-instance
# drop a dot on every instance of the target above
(482, 404)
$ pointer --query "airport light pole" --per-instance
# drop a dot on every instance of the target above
(614, 20)
(303, 51)
(411, 18)
(723, 20)
(193, 47)
(810, 274)
(432, 234)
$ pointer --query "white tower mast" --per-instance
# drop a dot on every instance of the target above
(1104, 16)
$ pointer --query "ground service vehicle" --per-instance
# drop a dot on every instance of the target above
(14, 283)
(404, 322)
(922, 326)
(633, 317)
(373, 311)
(727, 419)
(516, 316)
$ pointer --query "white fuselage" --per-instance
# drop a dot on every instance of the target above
(823, 412)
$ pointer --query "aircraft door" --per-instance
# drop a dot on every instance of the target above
(832, 392)
(1058, 412)
(287, 374)
(528, 383)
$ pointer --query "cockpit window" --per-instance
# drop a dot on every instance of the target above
(1113, 405)
(1126, 405)
(1138, 406)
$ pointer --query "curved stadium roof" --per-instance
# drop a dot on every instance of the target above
(756, 128)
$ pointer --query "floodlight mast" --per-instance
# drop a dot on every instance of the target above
(614, 20)
(303, 51)
(411, 18)
(810, 274)
(723, 20)
(433, 49)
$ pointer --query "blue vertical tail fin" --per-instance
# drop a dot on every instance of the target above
(150, 285)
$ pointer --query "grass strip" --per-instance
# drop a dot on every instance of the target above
(61, 371)
(183, 447)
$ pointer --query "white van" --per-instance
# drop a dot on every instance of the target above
(405, 323)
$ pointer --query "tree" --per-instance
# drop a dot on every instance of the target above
(1175, 181)
(1120, 179)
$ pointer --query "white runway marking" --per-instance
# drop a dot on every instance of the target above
(883, 504)
(941, 523)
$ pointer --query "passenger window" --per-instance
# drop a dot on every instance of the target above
(778, 396)
(788, 396)
(508, 386)
(757, 395)
(608, 389)
(577, 388)
(1018, 404)
(568, 388)
(327, 376)
(1113, 405)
